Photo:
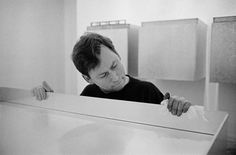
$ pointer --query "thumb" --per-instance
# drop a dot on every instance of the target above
(47, 87)
(167, 96)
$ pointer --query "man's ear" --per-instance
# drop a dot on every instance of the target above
(88, 79)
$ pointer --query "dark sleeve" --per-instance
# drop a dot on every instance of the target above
(86, 91)
(154, 94)
(91, 90)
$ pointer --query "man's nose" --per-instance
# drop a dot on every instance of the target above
(114, 76)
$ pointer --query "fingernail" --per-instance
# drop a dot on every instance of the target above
(167, 96)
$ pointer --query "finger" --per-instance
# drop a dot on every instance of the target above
(170, 104)
(175, 107)
(38, 95)
(180, 108)
(47, 87)
(46, 95)
(186, 106)
(42, 93)
(167, 96)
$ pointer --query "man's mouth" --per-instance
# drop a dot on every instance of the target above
(117, 84)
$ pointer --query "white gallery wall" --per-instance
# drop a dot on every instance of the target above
(32, 43)
(202, 92)
(36, 41)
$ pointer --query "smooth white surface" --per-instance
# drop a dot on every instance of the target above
(172, 49)
(70, 38)
(143, 113)
(29, 130)
(223, 64)
(32, 43)
(84, 125)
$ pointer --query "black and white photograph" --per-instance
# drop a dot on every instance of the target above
(117, 77)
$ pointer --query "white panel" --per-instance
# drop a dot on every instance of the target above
(70, 40)
(223, 50)
(27, 130)
(67, 124)
(32, 43)
(208, 122)
(133, 50)
(171, 50)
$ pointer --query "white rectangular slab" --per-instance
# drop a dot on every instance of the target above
(67, 124)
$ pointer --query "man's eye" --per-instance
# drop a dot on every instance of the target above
(104, 75)
(114, 66)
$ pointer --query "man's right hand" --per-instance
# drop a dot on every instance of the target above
(41, 91)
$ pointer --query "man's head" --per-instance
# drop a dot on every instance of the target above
(96, 58)
(87, 50)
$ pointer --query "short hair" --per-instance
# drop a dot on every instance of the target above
(87, 49)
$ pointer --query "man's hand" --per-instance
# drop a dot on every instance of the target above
(41, 91)
(177, 105)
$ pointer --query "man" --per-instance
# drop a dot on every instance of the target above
(96, 59)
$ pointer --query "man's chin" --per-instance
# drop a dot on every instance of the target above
(113, 89)
(117, 89)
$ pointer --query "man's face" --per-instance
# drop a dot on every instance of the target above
(110, 74)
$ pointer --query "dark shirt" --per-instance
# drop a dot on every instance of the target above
(135, 90)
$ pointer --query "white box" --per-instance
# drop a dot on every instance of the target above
(172, 49)
(223, 50)
(68, 124)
